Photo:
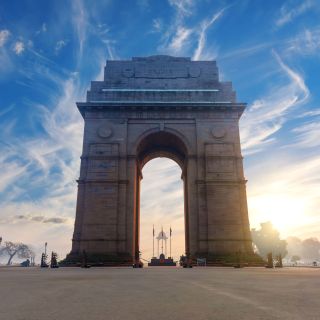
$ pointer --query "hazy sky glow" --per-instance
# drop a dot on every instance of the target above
(51, 50)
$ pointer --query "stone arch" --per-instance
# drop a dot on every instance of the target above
(154, 144)
(161, 106)
(142, 136)
(161, 144)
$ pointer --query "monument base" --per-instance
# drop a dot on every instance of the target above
(162, 262)
(230, 260)
(97, 260)
(114, 260)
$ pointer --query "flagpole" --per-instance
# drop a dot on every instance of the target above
(170, 241)
(153, 241)
(161, 239)
(165, 250)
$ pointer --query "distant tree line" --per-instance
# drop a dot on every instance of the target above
(307, 249)
(267, 240)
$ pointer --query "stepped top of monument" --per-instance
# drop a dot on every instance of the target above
(161, 58)
(161, 79)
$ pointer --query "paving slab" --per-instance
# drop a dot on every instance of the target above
(159, 293)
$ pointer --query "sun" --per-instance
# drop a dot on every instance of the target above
(285, 212)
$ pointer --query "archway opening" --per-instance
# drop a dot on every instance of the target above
(162, 144)
(162, 207)
(164, 195)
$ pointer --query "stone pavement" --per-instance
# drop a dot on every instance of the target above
(159, 293)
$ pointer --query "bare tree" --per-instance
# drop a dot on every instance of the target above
(12, 249)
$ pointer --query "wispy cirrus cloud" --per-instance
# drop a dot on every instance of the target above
(266, 116)
(41, 178)
(18, 47)
(11, 172)
(296, 78)
(175, 37)
(179, 40)
(184, 7)
(112, 55)
(41, 168)
(289, 12)
(59, 45)
(307, 135)
(311, 113)
(4, 35)
(80, 22)
(108, 41)
(157, 25)
(306, 42)
(49, 151)
(198, 53)
(43, 29)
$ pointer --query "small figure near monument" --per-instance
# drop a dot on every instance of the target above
(185, 261)
(239, 263)
(138, 263)
(84, 263)
(25, 263)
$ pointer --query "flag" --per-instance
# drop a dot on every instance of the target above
(153, 230)
(170, 231)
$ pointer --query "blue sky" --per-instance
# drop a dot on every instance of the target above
(51, 50)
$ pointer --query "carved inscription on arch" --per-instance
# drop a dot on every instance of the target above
(220, 163)
(219, 149)
(161, 72)
(104, 149)
(102, 162)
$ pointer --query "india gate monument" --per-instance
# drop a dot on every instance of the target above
(160, 106)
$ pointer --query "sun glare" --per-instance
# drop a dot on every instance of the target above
(285, 213)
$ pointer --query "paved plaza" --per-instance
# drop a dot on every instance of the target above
(159, 293)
